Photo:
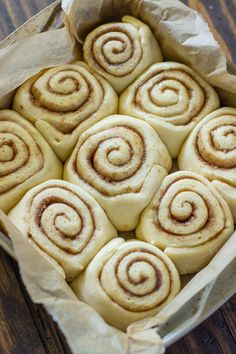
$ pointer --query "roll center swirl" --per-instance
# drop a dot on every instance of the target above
(114, 155)
(188, 211)
(7, 150)
(14, 153)
(67, 220)
(62, 91)
(19, 155)
(117, 50)
(216, 142)
(172, 95)
(133, 279)
(63, 84)
(224, 138)
(63, 217)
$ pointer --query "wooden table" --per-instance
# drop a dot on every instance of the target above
(26, 328)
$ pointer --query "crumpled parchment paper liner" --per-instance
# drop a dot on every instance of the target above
(184, 36)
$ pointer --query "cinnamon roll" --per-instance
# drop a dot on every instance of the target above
(26, 159)
(172, 98)
(63, 102)
(65, 222)
(188, 219)
(128, 281)
(210, 150)
(121, 51)
(120, 161)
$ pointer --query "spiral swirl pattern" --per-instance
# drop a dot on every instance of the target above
(65, 222)
(216, 142)
(138, 273)
(187, 213)
(134, 279)
(172, 98)
(64, 101)
(114, 155)
(212, 147)
(115, 158)
(24, 158)
(114, 47)
(121, 51)
(63, 217)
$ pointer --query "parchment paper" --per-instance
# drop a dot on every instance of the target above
(184, 36)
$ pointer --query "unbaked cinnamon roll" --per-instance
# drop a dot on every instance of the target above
(63, 102)
(188, 219)
(65, 222)
(128, 281)
(121, 51)
(172, 98)
(120, 161)
(26, 159)
(210, 150)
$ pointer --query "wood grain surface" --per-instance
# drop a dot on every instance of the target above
(25, 328)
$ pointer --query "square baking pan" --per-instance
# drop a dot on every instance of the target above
(177, 327)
